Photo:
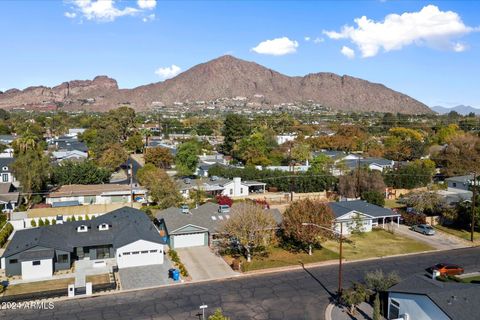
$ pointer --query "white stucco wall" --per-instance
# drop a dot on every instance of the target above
(30, 271)
(348, 223)
(140, 259)
(418, 307)
(2, 263)
(99, 199)
(235, 189)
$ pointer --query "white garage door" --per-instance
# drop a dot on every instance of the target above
(189, 240)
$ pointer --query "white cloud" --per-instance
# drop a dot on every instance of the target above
(147, 4)
(70, 15)
(459, 47)
(168, 72)
(306, 39)
(429, 26)
(108, 10)
(318, 40)
(348, 52)
(276, 47)
(148, 18)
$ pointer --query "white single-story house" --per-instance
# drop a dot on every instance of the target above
(126, 235)
(421, 298)
(196, 227)
(74, 155)
(95, 194)
(349, 213)
(221, 186)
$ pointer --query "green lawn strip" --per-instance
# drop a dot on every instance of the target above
(458, 232)
(47, 285)
(378, 243)
(280, 257)
(392, 204)
(469, 279)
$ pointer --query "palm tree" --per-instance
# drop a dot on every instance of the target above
(25, 143)
(146, 133)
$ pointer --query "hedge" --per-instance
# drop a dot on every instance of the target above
(5, 233)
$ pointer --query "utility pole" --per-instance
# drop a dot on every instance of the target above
(340, 261)
(358, 191)
(473, 204)
(131, 180)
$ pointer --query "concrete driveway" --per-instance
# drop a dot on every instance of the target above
(145, 276)
(439, 240)
(203, 264)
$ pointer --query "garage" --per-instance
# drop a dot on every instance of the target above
(189, 240)
(139, 253)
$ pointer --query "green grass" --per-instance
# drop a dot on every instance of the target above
(469, 279)
(392, 204)
(378, 243)
(280, 257)
(459, 232)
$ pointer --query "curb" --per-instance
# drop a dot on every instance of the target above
(328, 311)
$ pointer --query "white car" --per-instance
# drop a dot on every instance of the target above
(424, 229)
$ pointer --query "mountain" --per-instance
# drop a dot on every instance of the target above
(461, 109)
(224, 77)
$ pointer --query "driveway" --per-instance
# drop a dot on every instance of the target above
(203, 264)
(439, 240)
(145, 276)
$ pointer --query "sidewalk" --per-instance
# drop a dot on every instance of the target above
(364, 312)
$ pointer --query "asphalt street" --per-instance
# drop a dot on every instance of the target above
(296, 294)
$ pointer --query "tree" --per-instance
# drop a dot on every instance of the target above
(252, 150)
(235, 128)
(252, 226)
(415, 174)
(353, 296)
(312, 212)
(134, 143)
(122, 120)
(224, 200)
(159, 156)
(33, 223)
(218, 315)
(25, 143)
(301, 152)
(321, 164)
(113, 157)
(426, 202)
(41, 223)
(461, 156)
(376, 308)
(353, 184)
(377, 281)
(404, 144)
(85, 172)
(186, 159)
(162, 189)
(374, 197)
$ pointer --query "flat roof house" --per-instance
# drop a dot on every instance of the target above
(422, 298)
(370, 215)
(126, 235)
(196, 227)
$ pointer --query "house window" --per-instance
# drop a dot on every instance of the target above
(153, 251)
(4, 177)
(5, 168)
(126, 253)
(146, 251)
(394, 309)
(241, 190)
(82, 228)
(36, 263)
(62, 258)
(454, 184)
(13, 261)
(231, 191)
(135, 252)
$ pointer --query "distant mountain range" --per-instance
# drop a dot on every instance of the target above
(461, 109)
(224, 77)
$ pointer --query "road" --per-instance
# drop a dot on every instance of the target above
(296, 294)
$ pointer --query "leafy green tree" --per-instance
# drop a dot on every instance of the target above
(374, 197)
(353, 184)
(461, 156)
(312, 212)
(113, 157)
(403, 144)
(352, 297)
(159, 157)
(41, 223)
(218, 315)
(161, 188)
(134, 143)
(235, 128)
(415, 174)
(85, 172)
(252, 150)
(186, 159)
(33, 223)
(301, 152)
(321, 164)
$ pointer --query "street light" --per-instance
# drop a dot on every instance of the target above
(474, 188)
(203, 307)
(341, 245)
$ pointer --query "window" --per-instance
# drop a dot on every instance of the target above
(5, 168)
(62, 258)
(394, 309)
(36, 263)
(126, 253)
(241, 190)
(146, 251)
(4, 177)
(231, 191)
(135, 252)
(153, 251)
(13, 261)
(82, 228)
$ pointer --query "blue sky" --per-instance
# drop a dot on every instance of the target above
(430, 50)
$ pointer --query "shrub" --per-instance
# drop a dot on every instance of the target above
(411, 219)
(80, 218)
(40, 222)
(376, 308)
(54, 221)
(224, 200)
(33, 223)
(73, 218)
(47, 222)
(5, 233)
(87, 217)
(218, 315)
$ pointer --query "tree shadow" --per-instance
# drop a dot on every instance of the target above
(333, 296)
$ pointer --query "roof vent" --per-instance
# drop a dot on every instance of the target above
(213, 178)
(103, 226)
(82, 228)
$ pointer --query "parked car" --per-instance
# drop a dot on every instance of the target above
(223, 208)
(424, 229)
(447, 269)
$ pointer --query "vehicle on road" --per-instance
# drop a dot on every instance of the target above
(424, 229)
(447, 269)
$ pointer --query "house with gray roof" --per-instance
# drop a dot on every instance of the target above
(460, 182)
(350, 213)
(6, 171)
(126, 235)
(423, 298)
(196, 227)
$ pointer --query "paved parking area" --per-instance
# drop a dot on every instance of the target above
(203, 264)
(146, 276)
(439, 240)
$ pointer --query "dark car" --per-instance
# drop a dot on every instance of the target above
(447, 269)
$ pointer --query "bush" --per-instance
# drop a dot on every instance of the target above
(40, 222)
(374, 197)
(174, 256)
(33, 223)
(47, 222)
(5, 233)
(224, 200)
(87, 217)
(411, 219)
(54, 221)
(218, 315)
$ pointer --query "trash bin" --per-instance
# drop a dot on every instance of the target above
(170, 273)
(176, 275)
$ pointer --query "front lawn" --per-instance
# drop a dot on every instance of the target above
(459, 232)
(47, 285)
(393, 204)
(475, 279)
(378, 243)
(280, 257)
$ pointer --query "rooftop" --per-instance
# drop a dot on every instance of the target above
(88, 190)
(343, 207)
